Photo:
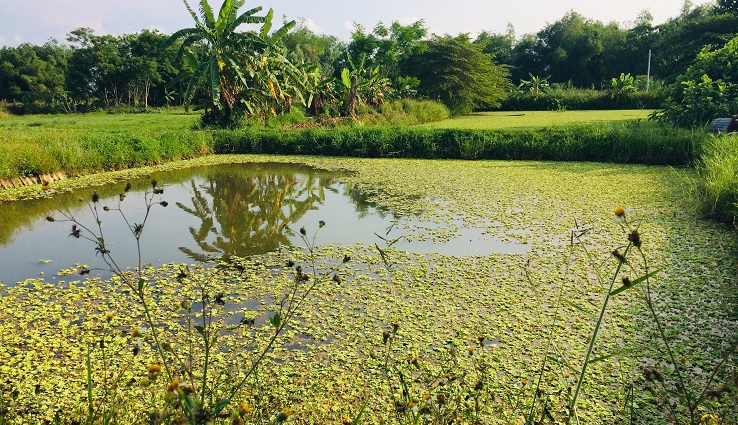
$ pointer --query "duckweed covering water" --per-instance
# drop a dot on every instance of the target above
(329, 363)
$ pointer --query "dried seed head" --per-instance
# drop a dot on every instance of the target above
(626, 281)
(635, 238)
(128, 187)
(95, 197)
(321, 223)
(337, 278)
(616, 253)
(153, 184)
(385, 336)
(303, 232)
(164, 203)
(50, 219)
(346, 258)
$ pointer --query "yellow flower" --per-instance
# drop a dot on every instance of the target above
(154, 368)
(244, 408)
(619, 211)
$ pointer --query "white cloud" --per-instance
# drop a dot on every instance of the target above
(17, 39)
(313, 26)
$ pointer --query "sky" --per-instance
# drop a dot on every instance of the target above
(36, 21)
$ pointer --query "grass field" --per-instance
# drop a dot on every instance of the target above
(160, 120)
(177, 119)
(536, 119)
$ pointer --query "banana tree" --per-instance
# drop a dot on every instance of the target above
(274, 83)
(536, 86)
(360, 85)
(235, 68)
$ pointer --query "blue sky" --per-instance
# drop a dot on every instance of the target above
(35, 21)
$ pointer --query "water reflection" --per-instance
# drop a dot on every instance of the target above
(220, 211)
(245, 212)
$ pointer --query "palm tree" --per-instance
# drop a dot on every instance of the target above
(234, 63)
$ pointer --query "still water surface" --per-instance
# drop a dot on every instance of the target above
(213, 212)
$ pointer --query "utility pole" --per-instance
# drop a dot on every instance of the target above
(648, 73)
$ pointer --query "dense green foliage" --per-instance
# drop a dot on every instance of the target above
(709, 89)
(243, 73)
(137, 71)
(580, 100)
(110, 72)
(458, 73)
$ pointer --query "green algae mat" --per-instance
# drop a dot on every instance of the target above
(395, 336)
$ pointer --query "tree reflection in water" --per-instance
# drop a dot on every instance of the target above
(247, 210)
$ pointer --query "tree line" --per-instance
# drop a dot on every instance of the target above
(225, 71)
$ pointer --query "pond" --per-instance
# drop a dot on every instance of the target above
(214, 212)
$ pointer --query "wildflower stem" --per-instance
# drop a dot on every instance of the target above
(573, 403)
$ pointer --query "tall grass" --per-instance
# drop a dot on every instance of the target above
(717, 185)
(77, 151)
(629, 142)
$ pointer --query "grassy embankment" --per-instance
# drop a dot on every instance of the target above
(84, 144)
(35, 145)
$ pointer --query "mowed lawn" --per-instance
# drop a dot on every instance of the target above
(531, 119)
(158, 120)
(178, 119)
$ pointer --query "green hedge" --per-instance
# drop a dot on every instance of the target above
(630, 142)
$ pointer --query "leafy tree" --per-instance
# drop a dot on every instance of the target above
(727, 6)
(525, 59)
(708, 89)
(33, 74)
(579, 50)
(244, 70)
(680, 39)
(500, 46)
(95, 76)
(304, 46)
(385, 47)
(638, 41)
(458, 73)
(149, 63)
